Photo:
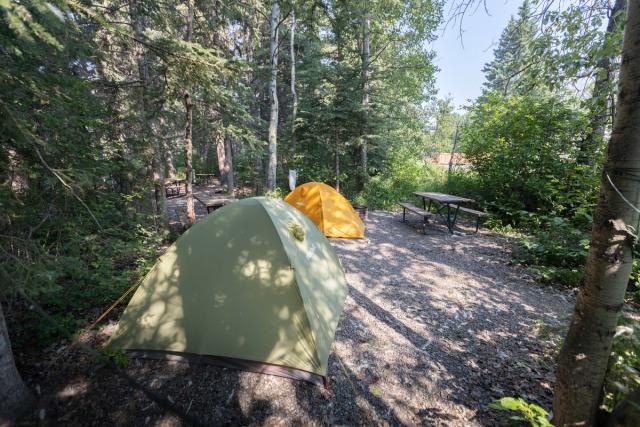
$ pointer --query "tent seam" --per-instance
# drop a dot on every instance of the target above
(295, 275)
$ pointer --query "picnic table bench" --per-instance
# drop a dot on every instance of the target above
(215, 203)
(478, 214)
(413, 208)
(205, 178)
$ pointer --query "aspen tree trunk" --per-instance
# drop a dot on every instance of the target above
(231, 182)
(188, 134)
(225, 161)
(136, 13)
(337, 165)
(601, 89)
(188, 157)
(364, 172)
(453, 152)
(294, 94)
(15, 398)
(273, 94)
(168, 160)
(222, 158)
(170, 169)
(582, 362)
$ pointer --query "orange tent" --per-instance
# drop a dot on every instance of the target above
(328, 209)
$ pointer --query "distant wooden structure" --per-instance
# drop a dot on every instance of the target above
(443, 159)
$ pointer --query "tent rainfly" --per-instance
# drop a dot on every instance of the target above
(253, 286)
(328, 209)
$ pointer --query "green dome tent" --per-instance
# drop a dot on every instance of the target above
(254, 285)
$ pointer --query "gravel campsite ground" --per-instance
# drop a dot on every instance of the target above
(435, 327)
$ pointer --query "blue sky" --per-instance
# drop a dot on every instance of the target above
(461, 66)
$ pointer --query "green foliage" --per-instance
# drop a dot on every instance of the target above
(556, 252)
(116, 356)
(623, 374)
(406, 172)
(528, 413)
(523, 148)
(278, 193)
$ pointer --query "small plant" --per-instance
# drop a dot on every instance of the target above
(529, 413)
(623, 375)
(275, 194)
(297, 231)
(115, 355)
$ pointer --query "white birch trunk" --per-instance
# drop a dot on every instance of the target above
(294, 94)
(273, 93)
(14, 395)
(582, 362)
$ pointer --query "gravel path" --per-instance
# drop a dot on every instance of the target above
(435, 327)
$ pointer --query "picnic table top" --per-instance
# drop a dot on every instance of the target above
(215, 201)
(443, 198)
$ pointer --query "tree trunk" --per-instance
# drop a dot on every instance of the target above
(188, 133)
(582, 363)
(168, 160)
(364, 167)
(600, 98)
(453, 152)
(136, 13)
(169, 166)
(15, 398)
(294, 94)
(231, 182)
(222, 158)
(337, 166)
(188, 157)
(273, 94)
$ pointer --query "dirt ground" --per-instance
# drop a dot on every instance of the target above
(435, 327)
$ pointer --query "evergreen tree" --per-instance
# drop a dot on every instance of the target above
(512, 71)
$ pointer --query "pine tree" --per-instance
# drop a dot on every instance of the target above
(512, 67)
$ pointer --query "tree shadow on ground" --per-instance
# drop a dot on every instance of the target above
(435, 327)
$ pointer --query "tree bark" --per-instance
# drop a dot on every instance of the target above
(231, 182)
(600, 99)
(188, 134)
(453, 152)
(136, 13)
(15, 397)
(168, 160)
(188, 157)
(294, 94)
(222, 158)
(364, 167)
(582, 362)
(273, 94)
(225, 161)
(169, 166)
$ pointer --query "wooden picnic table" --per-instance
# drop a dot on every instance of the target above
(215, 202)
(446, 201)
(172, 187)
(205, 178)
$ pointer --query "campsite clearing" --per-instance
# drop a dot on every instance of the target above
(434, 328)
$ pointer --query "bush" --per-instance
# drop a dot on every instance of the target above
(623, 375)
(408, 172)
(524, 148)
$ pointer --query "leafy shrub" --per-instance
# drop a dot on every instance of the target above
(524, 149)
(557, 251)
(529, 413)
(408, 172)
(623, 375)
